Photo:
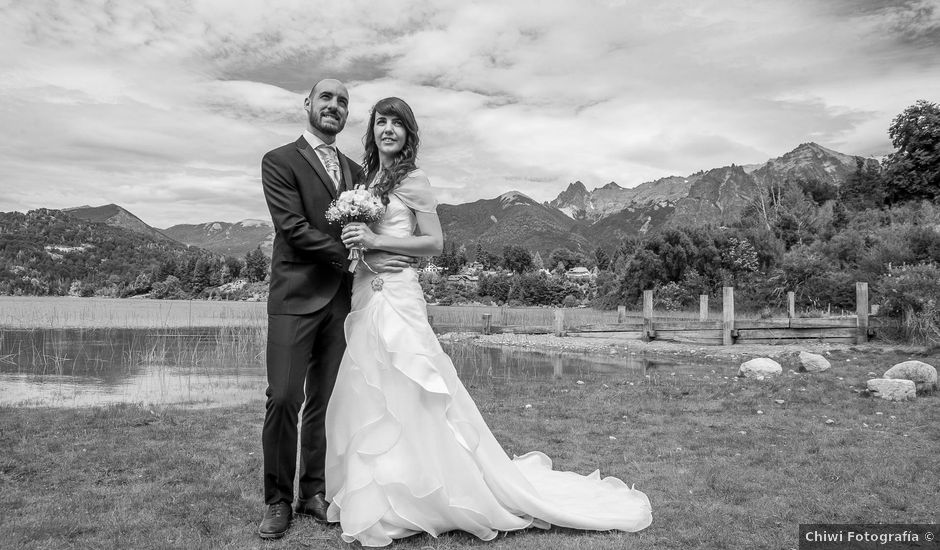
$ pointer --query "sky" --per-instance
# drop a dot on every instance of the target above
(166, 107)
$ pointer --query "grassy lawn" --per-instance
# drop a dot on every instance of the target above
(719, 473)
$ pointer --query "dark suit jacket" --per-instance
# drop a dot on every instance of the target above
(309, 260)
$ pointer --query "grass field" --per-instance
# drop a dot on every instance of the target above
(727, 463)
(71, 312)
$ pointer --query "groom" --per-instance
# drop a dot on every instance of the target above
(308, 302)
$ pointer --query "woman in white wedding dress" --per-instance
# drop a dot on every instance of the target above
(407, 449)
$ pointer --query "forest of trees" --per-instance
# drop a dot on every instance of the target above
(49, 253)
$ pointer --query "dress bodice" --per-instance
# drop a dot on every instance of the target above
(398, 220)
(412, 195)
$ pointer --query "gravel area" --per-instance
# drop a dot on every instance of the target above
(622, 346)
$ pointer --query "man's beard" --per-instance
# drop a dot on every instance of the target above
(315, 121)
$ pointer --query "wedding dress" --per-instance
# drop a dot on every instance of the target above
(407, 449)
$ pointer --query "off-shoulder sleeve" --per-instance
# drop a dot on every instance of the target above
(415, 191)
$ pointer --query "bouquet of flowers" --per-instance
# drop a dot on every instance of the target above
(356, 205)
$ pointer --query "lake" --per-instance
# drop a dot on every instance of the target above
(218, 366)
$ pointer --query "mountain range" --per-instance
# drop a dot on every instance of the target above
(232, 239)
(577, 219)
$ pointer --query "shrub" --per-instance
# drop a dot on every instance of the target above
(912, 292)
(671, 297)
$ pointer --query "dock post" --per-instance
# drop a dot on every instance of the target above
(727, 315)
(648, 315)
(861, 309)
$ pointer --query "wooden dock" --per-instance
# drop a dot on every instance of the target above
(849, 329)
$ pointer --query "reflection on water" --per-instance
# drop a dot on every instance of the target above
(80, 367)
(224, 366)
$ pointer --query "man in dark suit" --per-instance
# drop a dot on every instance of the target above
(308, 302)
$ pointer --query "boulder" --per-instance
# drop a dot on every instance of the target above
(760, 367)
(811, 362)
(923, 376)
(891, 389)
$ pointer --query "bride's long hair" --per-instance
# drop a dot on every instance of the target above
(404, 161)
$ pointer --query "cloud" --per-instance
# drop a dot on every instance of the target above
(166, 107)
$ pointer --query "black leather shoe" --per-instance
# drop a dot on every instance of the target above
(276, 521)
(315, 507)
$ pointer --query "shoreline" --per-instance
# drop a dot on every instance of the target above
(621, 347)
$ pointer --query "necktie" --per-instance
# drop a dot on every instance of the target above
(332, 163)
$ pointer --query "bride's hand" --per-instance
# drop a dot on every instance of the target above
(357, 233)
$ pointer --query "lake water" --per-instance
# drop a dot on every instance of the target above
(225, 366)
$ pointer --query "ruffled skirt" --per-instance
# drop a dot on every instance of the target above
(409, 452)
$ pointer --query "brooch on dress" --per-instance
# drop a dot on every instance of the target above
(377, 284)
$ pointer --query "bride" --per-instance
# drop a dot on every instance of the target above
(407, 449)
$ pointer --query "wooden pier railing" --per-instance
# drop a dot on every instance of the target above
(726, 331)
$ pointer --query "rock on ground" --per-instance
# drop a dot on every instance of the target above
(760, 367)
(923, 375)
(812, 362)
(892, 390)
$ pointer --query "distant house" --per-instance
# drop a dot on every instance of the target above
(578, 274)
(431, 268)
(472, 268)
(463, 278)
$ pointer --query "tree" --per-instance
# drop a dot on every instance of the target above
(516, 258)
(234, 266)
(798, 218)
(864, 188)
(537, 262)
(914, 169)
(142, 283)
(450, 259)
(602, 259)
(479, 254)
(202, 274)
(739, 259)
(643, 272)
(485, 258)
(169, 289)
(819, 191)
(256, 265)
(676, 250)
(566, 257)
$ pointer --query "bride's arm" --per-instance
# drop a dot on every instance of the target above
(428, 240)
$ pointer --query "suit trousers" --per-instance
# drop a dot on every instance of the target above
(303, 357)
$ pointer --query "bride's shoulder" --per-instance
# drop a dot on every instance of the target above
(415, 191)
(417, 175)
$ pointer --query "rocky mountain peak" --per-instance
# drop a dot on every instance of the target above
(514, 198)
(573, 201)
(574, 188)
(117, 216)
(810, 161)
(255, 223)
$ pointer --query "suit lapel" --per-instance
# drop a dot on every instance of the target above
(347, 182)
(307, 152)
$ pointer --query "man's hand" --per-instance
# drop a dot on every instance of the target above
(385, 262)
